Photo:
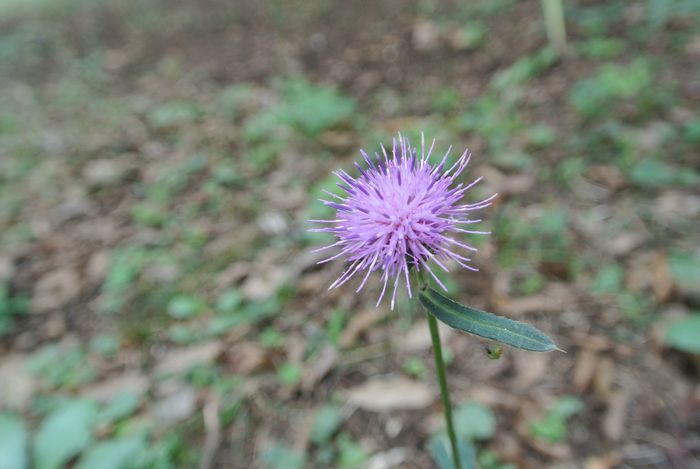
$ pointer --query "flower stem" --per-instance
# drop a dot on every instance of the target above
(444, 392)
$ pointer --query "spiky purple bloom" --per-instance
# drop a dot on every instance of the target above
(399, 213)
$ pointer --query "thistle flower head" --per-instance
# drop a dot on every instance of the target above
(401, 212)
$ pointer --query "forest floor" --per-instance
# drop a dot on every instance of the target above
(160, 305)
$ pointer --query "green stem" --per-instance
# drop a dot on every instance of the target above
(444, 392)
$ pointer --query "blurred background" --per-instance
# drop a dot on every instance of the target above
(160, 306)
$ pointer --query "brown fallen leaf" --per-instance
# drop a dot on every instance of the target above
(555, 299)
(175, 405)
(584, 370)
(608, 175)
(648, 271)
(17, 385)
(7, 268)
(602, 381)
(132, 382)
(359, 323)
(607, 461)
(245, 358)
(55, 289)
(426, 36)
(662, 286)
(97, 266)
(181, 360)
(387, 394)
(233, 274)
(615, 415)
(594, 343)
(531, 367)
(506, 184)
(417, 339)
(263, 284)
(105, 172)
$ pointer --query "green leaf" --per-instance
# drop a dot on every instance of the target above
(490, 326)
(441, 452)
(608, 280)
(474, 421)
(351, 453)
(13, 443)
(289, 374)
(120, 407)
(685, 270)
(118, 453)
(228, 301)
(185, 306)
(313, 108)
(64, 433)
(326, 422)
(280, 456)
(684, 334)
(553, 426)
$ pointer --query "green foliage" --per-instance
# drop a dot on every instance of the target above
(553, 426)
(685, 270)
(659, 12)
(271, 338)
(289, 374)
(470, 36)
(524, 69)
(117, 453)
(490, 460)
(612, 83)
(280, 456)
(540, 135)
(440, 450)
(444, 100)
(494, 119)
(173, 113)
(249, 313)
(62, 366)
(490, 326)
(351, 455)
(231, 99)
(335, 325)
(122, 406)
(228, 302)
(598, 20)
(474, 421)
(601, 48)
(608, 280)
(684, 334)
(326, 422)
(313, 108)
(414, 366)
(650, 173)
(64, 433)
(185, 306)
(13, 443)
(125, 267)
(106, 345)
(10, 307)
(485, 8)
(691, 131)
(306, 107)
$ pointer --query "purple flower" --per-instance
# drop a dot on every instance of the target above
(400, 213)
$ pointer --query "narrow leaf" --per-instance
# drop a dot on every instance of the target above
(117, 453)
(490, 326)
(64, 433)
(13, 443)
